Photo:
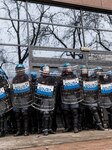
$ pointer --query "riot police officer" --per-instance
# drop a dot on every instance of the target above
(105, 90)
(105, 93)
(110, 108)
(32, 111)
(22, 98)
(5, 103)
(90, 93)
(45, 99)
(70, 97)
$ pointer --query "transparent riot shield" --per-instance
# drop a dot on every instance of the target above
(5, 101)
(44, 99)
(71, 88)
(22, 90)
(90, 87)
(105, 95)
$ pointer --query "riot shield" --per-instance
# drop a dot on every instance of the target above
(70, 88)
(22, 89)
(105, 95)
(5, 102)
(44, 99)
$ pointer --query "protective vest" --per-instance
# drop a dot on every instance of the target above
(70, 89)
(90, 91)
(45, 94)
(22, 90)
(105, 93)
(5, 101)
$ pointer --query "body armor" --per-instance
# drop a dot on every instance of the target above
(22, 92)
(70, 98)
(5, 102)
(105, 92)
(90, 91)
(70, 89)
(44, 102)
(45, 94)
(22, 98)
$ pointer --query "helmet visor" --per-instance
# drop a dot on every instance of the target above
(84, 71)
(46, 70)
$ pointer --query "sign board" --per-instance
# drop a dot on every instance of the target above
(100, 57)
(92, 5)
(55, 57)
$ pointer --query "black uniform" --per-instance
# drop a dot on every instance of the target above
(70, 98)
(90, 93)
(45, 102)
(105, 95)
(32, 111)
(22, 99)
(5, 103)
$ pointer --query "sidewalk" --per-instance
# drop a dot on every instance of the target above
(57, 141)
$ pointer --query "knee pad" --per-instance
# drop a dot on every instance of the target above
(74, 111)
(93, 109)
(46, 114)
(25, 114)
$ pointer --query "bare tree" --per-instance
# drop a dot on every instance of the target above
(69, 37)
(37, 30)
(94, 37)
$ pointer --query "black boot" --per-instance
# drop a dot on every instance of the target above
(98, 121)
(18, 133)
(110, 121)
(50, 123)
(39, 131)
(51, 131)
(2, 133)
(75, 120)
(33, 130)
(32, 116)
(80, 127)
(39, 121)
(45, 123)
(67, 130)
(26, 133)
(76, 130)
(18, 119)
(100, 127)
(67, 121)
(25, 117)
(45, 132)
